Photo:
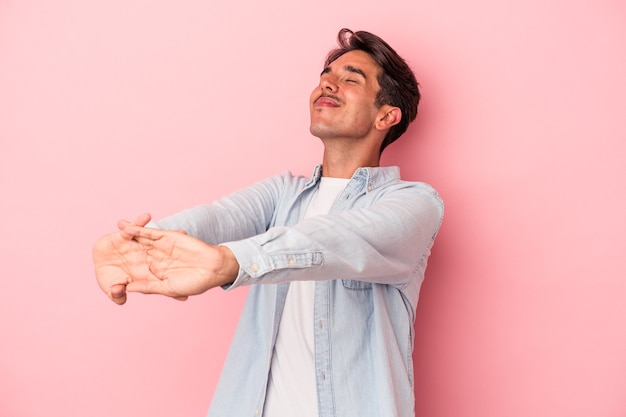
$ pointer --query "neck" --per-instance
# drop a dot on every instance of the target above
(342, 161)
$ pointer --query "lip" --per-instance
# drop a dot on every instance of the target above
(326, 101)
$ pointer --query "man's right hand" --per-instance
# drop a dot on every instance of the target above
(119, 259)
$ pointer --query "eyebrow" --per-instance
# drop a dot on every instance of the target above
(348, 68)
(355, 70)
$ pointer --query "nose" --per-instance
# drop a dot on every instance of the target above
(327, 84)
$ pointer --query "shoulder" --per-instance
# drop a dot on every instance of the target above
(288, 179)
(413, 193)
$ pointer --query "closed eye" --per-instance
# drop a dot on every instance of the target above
(354, 70)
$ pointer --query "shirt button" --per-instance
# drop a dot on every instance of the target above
(246, 279)
(291, 261)
(255, 267)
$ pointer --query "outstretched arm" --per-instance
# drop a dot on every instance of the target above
(386, 243)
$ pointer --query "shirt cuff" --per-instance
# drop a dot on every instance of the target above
(258, 260)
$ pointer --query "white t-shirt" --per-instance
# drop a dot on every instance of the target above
(292, 389)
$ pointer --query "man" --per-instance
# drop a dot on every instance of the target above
(334, 262)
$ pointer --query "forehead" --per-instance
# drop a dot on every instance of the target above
(358, 59)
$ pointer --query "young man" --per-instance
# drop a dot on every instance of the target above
(334, 262)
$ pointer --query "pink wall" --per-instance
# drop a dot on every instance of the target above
(109, 109)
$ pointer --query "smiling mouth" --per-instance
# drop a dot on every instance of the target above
(327, 101)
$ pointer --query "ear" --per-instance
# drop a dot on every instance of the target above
(388, 116)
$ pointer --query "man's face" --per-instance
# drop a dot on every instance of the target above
(343, 104)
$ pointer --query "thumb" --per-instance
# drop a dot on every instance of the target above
(118, 293)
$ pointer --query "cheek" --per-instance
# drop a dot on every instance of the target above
(365, 107)
(314, 94)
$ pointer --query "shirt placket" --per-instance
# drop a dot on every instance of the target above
(322, 317)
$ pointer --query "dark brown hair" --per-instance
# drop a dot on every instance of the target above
(398, 86)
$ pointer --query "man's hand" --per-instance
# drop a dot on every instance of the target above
(179, 265)
(119, 259)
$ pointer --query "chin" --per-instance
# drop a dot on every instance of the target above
(319, 133)
(319, 128)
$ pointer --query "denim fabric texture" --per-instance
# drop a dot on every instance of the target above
(368, 257)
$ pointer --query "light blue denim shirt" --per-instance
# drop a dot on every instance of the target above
(367, 256)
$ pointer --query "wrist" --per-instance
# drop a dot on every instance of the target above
(229, 266)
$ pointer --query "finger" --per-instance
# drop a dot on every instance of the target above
(146, 243)
(144, 232)
(118, 293)
(140, 220)
(121, 224)
(150, 287)
(141, 286)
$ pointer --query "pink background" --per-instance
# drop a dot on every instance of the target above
(112, 108)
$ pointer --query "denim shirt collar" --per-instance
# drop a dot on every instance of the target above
(370, 177)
